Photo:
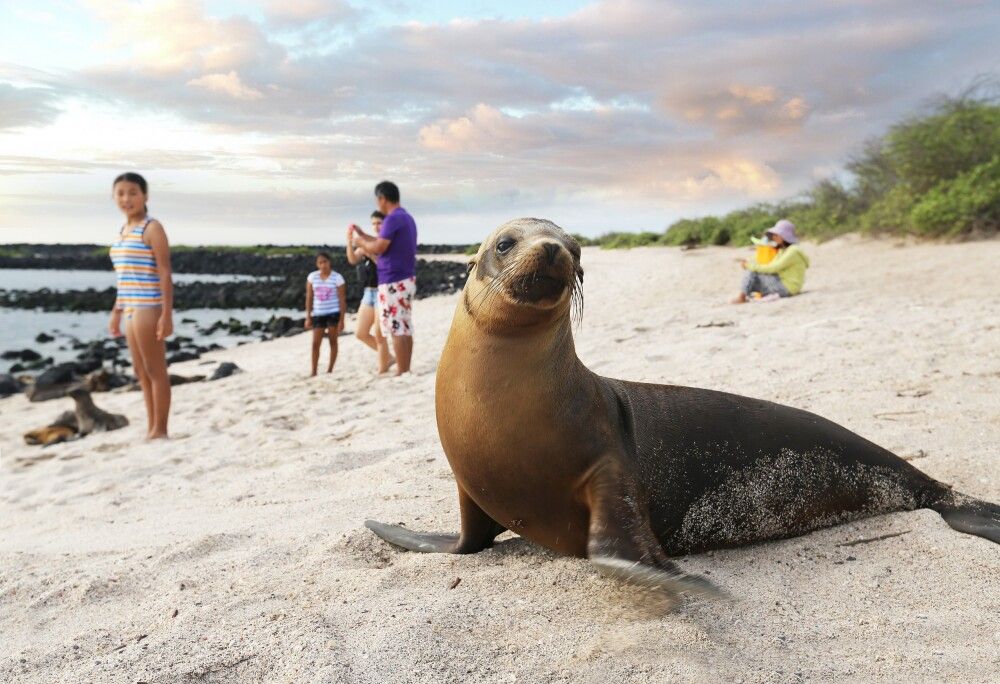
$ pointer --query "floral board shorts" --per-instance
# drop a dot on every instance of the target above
(395, 307)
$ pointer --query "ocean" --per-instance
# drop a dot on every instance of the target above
(20, 327)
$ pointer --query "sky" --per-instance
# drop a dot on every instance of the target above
(271, 121)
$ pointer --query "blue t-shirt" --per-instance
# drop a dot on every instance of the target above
(399, 260)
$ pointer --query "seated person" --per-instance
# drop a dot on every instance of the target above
(784, 275)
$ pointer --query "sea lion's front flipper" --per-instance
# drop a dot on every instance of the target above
(414, 541)
(478, 532)
(621, 543)
(671, 579)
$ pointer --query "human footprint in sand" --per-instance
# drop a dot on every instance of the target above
(367, 310)
(326, 302)
(145, 300)
(781, 277)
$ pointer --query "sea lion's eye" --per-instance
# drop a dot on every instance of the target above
(504, 245)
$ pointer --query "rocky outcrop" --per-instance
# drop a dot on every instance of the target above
(9, 385)
(433, 277)
(224, 370)
(259, 260)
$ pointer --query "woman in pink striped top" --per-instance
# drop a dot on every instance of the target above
(141, 257)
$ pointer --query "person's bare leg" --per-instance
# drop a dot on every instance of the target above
(403, 346)
(333, 348)
(317, 342)
(382, 347)
(139, 368)
(366, 316)
(154, 357)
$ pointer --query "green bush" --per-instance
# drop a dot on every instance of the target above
(736, 227)
(969, 203)
(961, 136)
(687, 232)
(628, 240)
(889, 214)
(829, 209)
(584, 241)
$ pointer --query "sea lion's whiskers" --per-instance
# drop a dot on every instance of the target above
(576, 299)
(496, 286)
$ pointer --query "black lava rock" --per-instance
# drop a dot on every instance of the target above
(177, 357)
(42, 338)
(224, 370)
(59, 374)
(284, 289)
(9, 385)
(86, 364)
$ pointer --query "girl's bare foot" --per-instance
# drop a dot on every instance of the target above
(156, 435)
(740, 299)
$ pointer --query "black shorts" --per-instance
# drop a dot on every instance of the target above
(327, 321)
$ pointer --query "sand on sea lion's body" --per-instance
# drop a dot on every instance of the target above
(236, 552)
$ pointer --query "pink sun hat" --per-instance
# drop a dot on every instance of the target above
(784, 229)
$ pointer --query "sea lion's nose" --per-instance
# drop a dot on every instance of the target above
(551, 250)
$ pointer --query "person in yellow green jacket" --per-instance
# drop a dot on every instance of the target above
(782, 277)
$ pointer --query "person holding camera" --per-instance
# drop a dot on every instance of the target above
(368, 329)
(396, 248)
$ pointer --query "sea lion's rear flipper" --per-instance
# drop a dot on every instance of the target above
(971, 516)
(413, 541)
(478, 532)
(621, 542)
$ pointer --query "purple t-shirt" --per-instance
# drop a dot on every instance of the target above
(399, 260)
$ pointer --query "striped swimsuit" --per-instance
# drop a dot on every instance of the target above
(138, 279)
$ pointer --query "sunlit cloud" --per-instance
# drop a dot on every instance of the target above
(228, 84)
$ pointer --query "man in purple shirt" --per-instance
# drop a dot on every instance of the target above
(396, 248)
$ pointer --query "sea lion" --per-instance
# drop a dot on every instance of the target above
(89, 418)
(86, 418)
(62, 429)
(628, 474)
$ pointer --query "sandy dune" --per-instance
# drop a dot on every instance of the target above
(236, 552)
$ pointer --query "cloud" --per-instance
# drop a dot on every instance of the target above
(177, 38)
(740, 109)
(228, 84)
(484, 129)
(298, 13)
(653, 103)
(27, 107)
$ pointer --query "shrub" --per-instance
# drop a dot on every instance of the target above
(628, 240)
(891, 213)
(960, 137)
(969, 203)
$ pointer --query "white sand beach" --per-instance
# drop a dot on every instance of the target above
(236, 552)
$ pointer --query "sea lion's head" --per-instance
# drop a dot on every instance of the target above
(526, 272)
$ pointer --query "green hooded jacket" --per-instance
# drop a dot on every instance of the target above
(790, 265)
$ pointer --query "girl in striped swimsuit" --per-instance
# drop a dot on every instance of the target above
(141, 257)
